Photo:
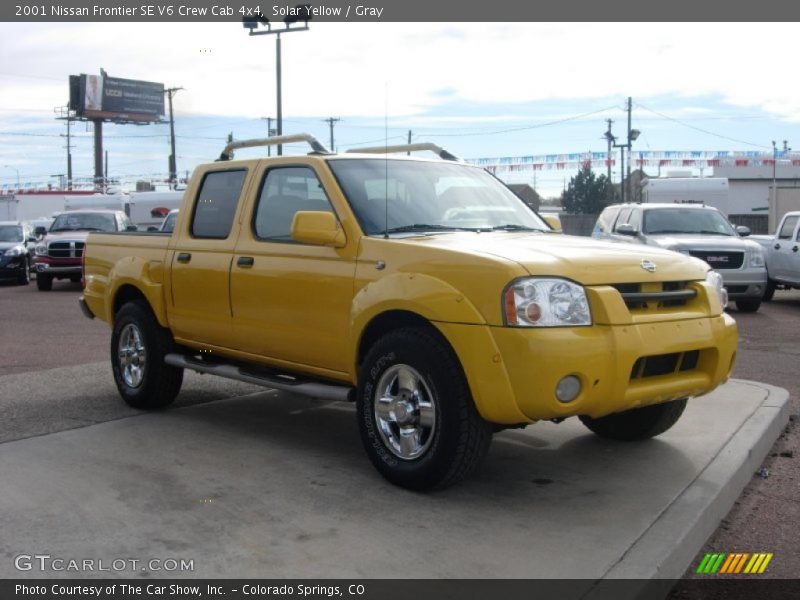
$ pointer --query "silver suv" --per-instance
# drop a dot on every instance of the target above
(696, 230)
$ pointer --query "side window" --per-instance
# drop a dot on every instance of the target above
(285, 191)
(624, 214)
(788, 228)
(216, 204)
(635, 219)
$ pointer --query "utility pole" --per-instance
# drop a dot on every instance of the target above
(609, 139)
(630, 155)
(173, 168)
(105, 174)
(270, 132)
(409, 143)
(331, 121)
(66, 114)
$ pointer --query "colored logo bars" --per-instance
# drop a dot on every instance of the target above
(734, 563)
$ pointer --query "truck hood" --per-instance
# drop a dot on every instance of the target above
(6, 245)
(64, 236)
(702, 242)
(585, 260)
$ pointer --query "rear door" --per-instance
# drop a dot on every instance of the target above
(201, 259)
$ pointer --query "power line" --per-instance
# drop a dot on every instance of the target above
(711, 133)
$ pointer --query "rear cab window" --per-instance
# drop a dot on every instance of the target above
(787, 229)
(216, 204)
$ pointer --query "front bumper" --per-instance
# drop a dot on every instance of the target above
(57, 268)
(623, 361)
(747, 283)
(12, 266)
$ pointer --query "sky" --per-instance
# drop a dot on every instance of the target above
(479, 90)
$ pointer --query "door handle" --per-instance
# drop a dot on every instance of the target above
(245, 261)
(184, 257)
(777, 246)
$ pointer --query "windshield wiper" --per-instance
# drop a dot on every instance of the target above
(425, 227)
(713, 232)
(515, 227)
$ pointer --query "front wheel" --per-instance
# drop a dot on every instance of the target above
(138, 347)
(417, 419)
(638, 423)
(770, 291)
(24, 277)
(749, 306)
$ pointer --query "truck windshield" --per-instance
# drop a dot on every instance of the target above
(415, 196)
(10, 233)
(686, 220)
(84, 222)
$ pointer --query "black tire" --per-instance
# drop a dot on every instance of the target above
(748, 306)
(770, 291)
(75, 278)
(44, 282)
(143, 379)
(638, 423)
(24, 277)
(453, 439)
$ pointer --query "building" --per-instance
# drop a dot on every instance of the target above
(750, 187)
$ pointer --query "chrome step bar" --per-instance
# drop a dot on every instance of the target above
(325, 391)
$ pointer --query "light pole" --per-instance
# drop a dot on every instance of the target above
(17, 170)
(173, 167)
(633, 134)
(301, 12)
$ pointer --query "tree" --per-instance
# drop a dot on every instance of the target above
(587, 193)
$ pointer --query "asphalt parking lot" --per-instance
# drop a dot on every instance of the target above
(41, 331)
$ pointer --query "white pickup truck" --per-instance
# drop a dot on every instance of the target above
(782, 254)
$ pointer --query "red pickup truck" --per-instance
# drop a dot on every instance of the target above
(59, 252)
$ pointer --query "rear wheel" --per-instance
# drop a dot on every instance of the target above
(138, 347)
(417, 419)
(748, 305)
(638, 423)
(44, 282)
(75, 278)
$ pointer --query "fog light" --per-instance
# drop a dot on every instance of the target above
(568, 388)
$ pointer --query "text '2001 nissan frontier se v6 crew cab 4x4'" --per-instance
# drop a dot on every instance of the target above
(423, 289)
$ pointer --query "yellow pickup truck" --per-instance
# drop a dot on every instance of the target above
(422, 289)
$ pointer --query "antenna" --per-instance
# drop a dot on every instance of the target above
(386, 158)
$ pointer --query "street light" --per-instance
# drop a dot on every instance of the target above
(301, 12)
(17, 170)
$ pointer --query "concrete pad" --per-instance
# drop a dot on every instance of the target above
(271, 485)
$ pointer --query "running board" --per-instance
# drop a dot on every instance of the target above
(325, 391)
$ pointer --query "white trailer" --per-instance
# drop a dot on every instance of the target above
(711, 191)
(95, 202)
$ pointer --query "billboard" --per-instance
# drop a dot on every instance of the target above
(116, 99)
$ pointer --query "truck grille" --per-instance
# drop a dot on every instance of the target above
(720, 260)
(65, 249)
(667, 294)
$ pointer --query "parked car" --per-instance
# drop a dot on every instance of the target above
(59, 251)
(695, 230)
(350, 277)
(16, 238)
(783, 254)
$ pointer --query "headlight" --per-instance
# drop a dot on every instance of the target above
(681, 250)
(715, 279)
(15, 251)
(756, 258)
(41, 250)
(534, 302)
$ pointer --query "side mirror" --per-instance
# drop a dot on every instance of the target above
(31, 239)
(553, 220)
(131, 228)
(152, 228)
(626, 229)
(318, 228)
(743, 230)
(40, 231)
